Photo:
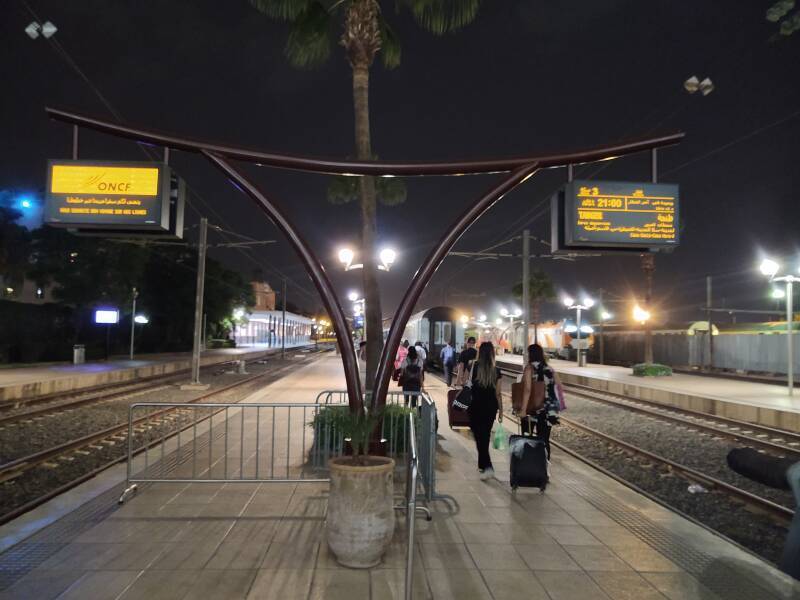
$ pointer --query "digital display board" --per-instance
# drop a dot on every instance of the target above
(616, 215)
(84, 194)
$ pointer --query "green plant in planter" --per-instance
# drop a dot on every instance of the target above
(651, 370)
(332, 424)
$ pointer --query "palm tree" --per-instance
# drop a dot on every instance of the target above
(540, 289)
(363, 33)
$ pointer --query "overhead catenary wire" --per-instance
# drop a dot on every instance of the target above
(151, 155)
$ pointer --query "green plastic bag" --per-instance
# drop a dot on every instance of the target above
(500, 438)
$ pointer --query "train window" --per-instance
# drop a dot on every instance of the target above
(447, 333)
(437, 332)
(441, 332)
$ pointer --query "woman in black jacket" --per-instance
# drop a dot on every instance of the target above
(486, 402)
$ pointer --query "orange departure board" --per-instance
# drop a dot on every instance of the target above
(618, 214)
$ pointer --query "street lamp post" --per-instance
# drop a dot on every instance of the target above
(387, 257)
(511, 316)
(570, 304)
(133, 318)
(604, 316)
(770, 268)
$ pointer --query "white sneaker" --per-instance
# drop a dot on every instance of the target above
(487, 474)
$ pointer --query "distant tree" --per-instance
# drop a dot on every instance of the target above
(363, 33)
(15, 243)
(88, 272)
(540, 290)
(784, 13)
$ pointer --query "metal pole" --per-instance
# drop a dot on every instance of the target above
(283, 323)
(198, 299)
(526, 292)
(602, 328)
(654, 165)
(710, 325)
(205, 331)
(579, 336)
(133, 319)
(74, 142)
(789, 334)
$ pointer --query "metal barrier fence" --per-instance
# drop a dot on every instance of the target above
(232, 442)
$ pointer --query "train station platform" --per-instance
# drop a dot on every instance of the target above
(587, 538)
(761, 403)
(26, 382)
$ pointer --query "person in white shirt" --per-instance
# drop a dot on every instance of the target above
(421, 352)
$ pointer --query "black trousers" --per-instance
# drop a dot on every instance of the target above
(481, 420)
(538, 426)
(448, 373)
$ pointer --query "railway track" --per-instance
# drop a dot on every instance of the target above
(773, 440)
(13, 411)
(83, 447)
(777, 511)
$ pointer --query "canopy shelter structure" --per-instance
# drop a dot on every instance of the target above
(515, 171)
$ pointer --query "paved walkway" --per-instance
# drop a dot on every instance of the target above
(762, 395)
(586, 538)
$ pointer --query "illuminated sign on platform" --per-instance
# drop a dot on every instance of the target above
(106, 316)
(616, 215)
(115, 199)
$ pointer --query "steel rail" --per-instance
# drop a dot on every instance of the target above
(765, 429)
(131, 387)
(776, 510)
(9, 405)
(20, 465)
(661, 410)
(665, 415)
(359, 167)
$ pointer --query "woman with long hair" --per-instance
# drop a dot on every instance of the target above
(546, 415)
(486, 402)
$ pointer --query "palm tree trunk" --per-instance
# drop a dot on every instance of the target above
(372, 311)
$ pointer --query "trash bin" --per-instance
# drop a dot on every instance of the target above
(78, 354)
(582, 355)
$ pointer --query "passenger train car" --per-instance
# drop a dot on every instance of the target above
(434, 328)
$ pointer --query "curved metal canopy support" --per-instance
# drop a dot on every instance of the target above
(350, 167)
(520, 168)
(431, 264)
(313, 266)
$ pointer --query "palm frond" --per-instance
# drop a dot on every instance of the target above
(391, 191)
(282, 10)
(390, 45)
(342, 189)
(442, 16)
(309, 42)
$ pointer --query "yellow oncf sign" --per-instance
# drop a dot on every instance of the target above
(88, 179)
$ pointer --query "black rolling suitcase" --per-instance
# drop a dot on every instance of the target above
(528, 462)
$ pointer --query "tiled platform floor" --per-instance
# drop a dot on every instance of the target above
(587, 537)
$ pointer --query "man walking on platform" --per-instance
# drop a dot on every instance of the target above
(448, 355)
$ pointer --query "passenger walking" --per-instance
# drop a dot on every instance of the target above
(486, 401)
(546, 415)
(412, 376)
(448, 356)
(465, 359)
(421, 352)
(402, 352)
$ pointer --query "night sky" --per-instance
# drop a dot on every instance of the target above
(527, 77)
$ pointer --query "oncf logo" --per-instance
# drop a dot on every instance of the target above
(91, 179)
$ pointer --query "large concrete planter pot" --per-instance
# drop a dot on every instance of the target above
(360, 521)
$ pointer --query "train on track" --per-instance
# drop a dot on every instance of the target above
(439, 325)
